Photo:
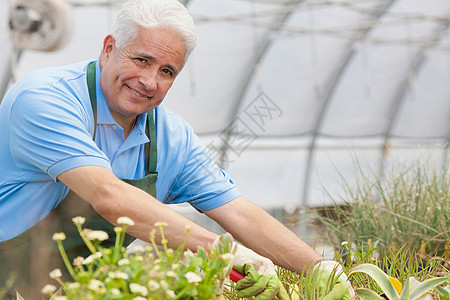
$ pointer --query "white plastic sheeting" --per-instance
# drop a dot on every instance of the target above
(289, 94)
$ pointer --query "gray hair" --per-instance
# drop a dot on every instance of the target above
(169, 14)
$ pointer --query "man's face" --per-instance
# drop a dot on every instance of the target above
(135, 80)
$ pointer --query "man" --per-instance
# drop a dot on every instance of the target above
(99, 129)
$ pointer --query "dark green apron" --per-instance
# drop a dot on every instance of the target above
(33, 254)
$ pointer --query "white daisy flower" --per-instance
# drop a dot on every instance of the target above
(119, 275)
(171, 274)
(88, 260)
(97, 235)
(125, 221)
(48, 289)
(74, 285)
(95, 284)
(123, 261)
(164, 284)
(56, 273)
(115, 291)
(170, 294)
(78, 220)
(59, 236)
(153, 285)
(192, 277)
(139, 289)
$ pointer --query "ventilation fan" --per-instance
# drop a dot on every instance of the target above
(43, 25)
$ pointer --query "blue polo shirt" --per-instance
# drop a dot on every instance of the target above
(47, 125)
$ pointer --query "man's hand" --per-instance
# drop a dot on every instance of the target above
(260, 279)
(326, 271)
(264, 287)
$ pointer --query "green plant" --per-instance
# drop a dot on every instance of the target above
(112, 273)
(392, 288)
(443, 292)
(401, 264)
(299, 286)
(410, 205)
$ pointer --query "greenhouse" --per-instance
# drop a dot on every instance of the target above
(333, 116)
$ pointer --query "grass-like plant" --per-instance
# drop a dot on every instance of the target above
(400, 264)
(409, 205)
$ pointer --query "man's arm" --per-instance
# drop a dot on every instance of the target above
(113, 198)
(258, 230)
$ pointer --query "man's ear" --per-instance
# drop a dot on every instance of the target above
(109, 43)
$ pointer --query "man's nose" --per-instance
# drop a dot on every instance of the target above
(149, 79)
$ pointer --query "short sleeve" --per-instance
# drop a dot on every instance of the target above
(49, 133)
(201, 182)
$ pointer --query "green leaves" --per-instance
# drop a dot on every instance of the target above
(418, 289)
(444, 293)
(368, 294)
(379, 277)
(412, 289)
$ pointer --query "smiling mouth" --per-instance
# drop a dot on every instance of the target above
(138, 94)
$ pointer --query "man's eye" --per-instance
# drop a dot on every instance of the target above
(167, 72)
(141, 60)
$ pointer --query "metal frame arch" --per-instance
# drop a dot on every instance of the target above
(327, 98)
(400, 94)
(243, 89)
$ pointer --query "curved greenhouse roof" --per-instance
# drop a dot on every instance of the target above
(289, 94)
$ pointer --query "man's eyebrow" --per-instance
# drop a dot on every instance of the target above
(174, 70)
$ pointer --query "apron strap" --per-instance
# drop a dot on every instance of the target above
(150, 148)
(150, 131)
(90, 77)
